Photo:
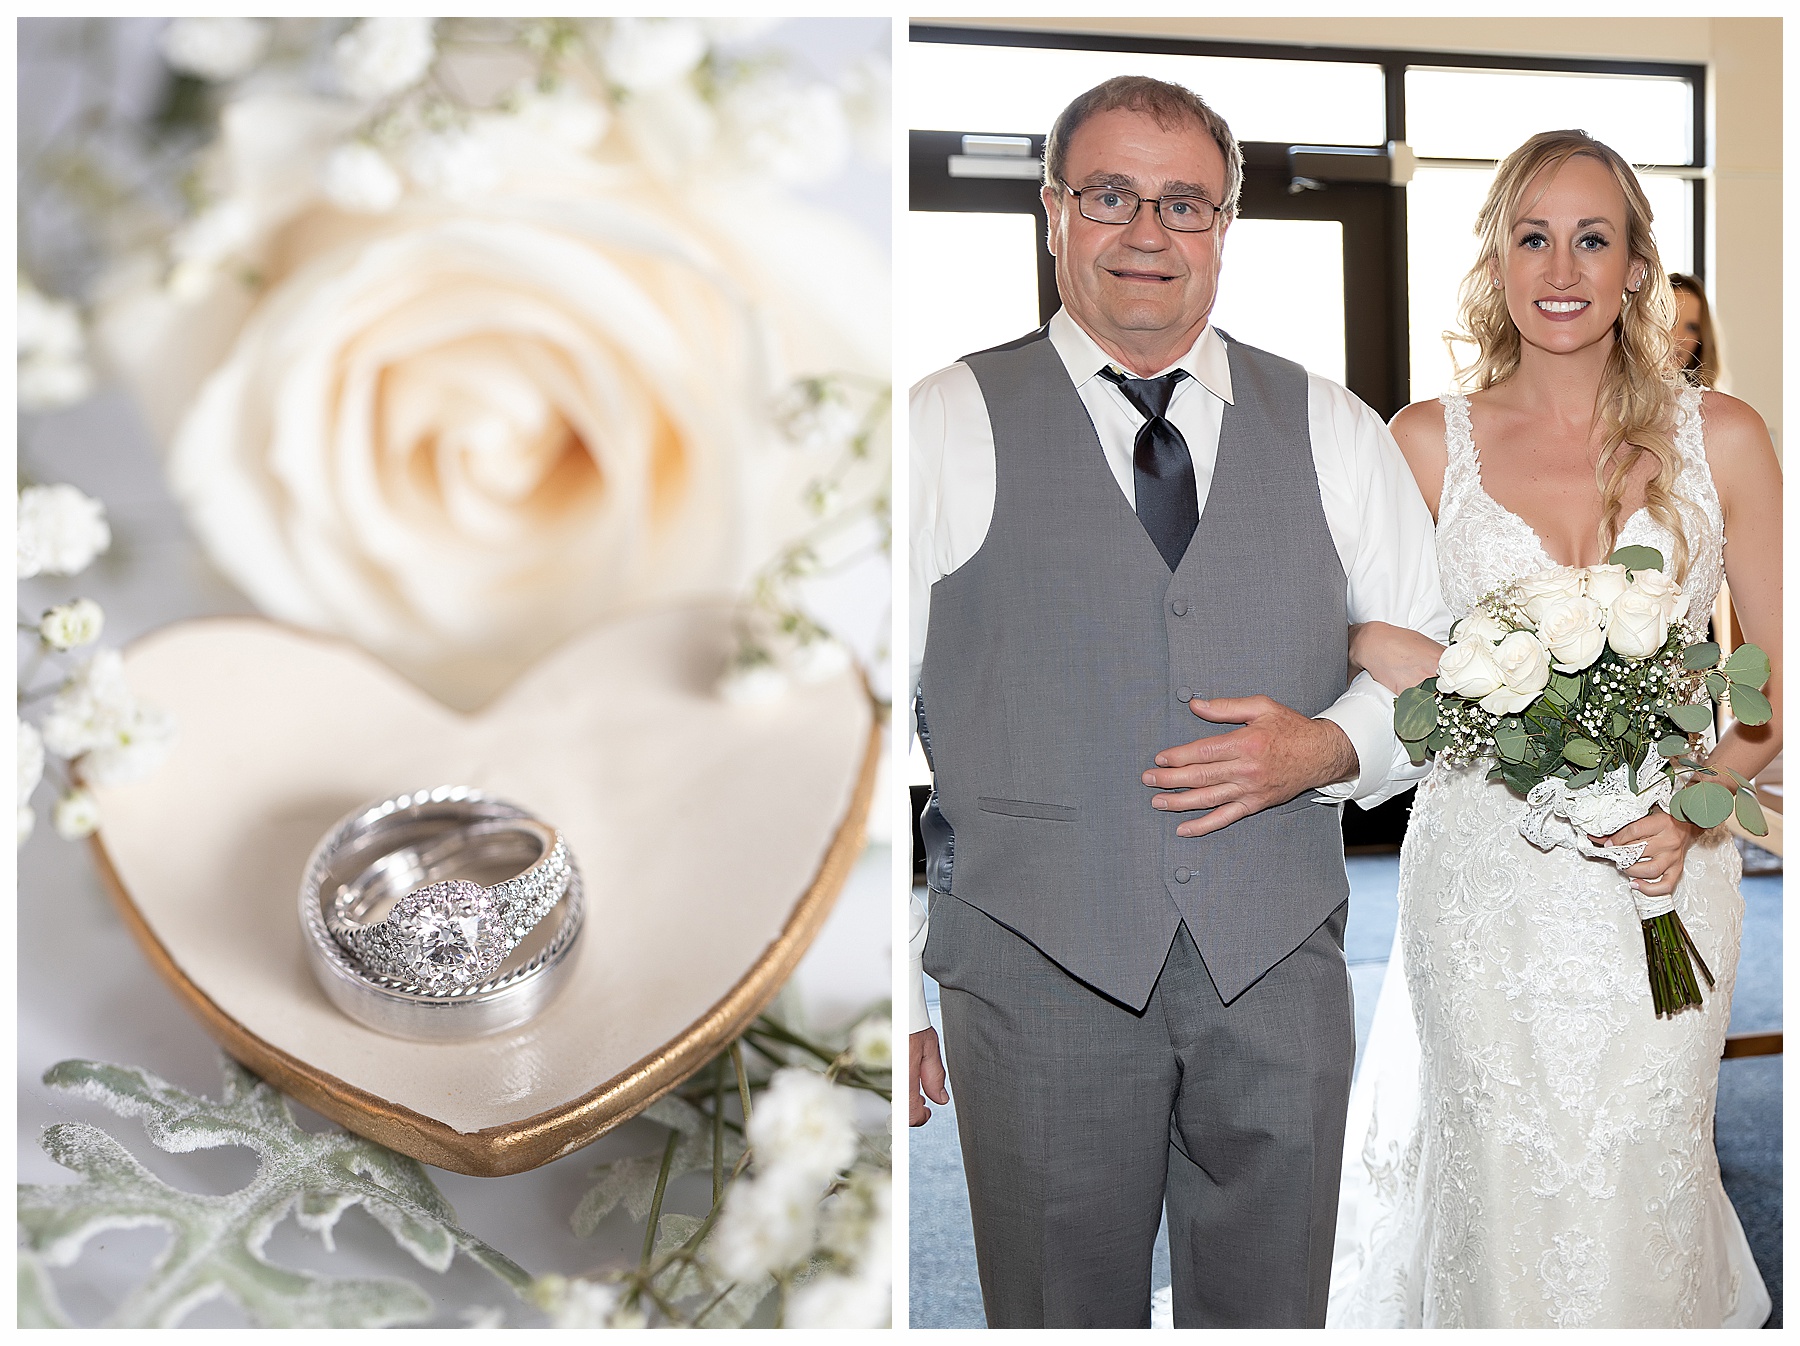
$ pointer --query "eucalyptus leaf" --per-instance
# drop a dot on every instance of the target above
(1748, 705)
(1415, 753)
(1582, 752)
(1415, 714)
(1704, 803)
(1747, 664)
(1637, 558)
(1750, 814)
(1672, 745)
(1742, 781)
(1703, 655)
(1692, 718)
(1564, 689)
(217, 1241)
(1716, 685)
(1618, 725)
(1512, 742)
(1581, 778)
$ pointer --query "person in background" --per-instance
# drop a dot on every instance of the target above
(1696, 348)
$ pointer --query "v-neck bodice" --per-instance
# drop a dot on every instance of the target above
(1482, 545)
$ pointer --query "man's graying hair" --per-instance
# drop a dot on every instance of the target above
(1168, 105)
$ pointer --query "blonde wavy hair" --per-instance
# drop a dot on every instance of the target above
(1636, 401)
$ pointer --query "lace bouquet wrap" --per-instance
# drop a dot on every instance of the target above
(1591, 693)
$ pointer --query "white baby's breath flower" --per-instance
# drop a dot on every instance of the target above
(60, 530)
(1604, 583)
(76, 815)
(817, 415)
(671, 128)
(53, 368)
(766, 1226)
(757, 684)
(818, 660)
(787, 131)
(215, 49)
(576, 1303)
(1638, 624)
(67, 625)
(729, 32)
(96, 718)
(27, 823)
(31, 759)
(358, 177)
(204, 244)
(1524, 666)
(861, 1300)
(645, 54)
(853, 1222)
(871, 1043)
(456, 165)
(804, 1125)
(379, 57)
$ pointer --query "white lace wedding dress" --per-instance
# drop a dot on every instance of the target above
(1541, 1153)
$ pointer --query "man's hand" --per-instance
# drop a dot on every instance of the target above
(1277, 754)
(927, 1068)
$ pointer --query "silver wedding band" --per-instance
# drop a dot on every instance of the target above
(441, 915)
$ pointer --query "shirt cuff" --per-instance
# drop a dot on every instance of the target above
(1366, 715)
(918, 1017)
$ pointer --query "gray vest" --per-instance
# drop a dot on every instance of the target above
(1060, 658)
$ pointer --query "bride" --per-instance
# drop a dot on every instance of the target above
(1543, 1156)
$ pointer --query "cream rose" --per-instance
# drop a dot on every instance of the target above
(459, 431)
(1655, 584)
(1524, 666)
(1604, 583)
(1548, 586)
(1481, 623)
(1638, 625)
(1574, 632)
(1467, 668)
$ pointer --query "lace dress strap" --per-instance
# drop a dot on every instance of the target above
(1462, 473)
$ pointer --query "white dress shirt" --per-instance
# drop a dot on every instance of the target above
(1378, 522)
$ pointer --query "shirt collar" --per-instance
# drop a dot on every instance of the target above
(1205, 362)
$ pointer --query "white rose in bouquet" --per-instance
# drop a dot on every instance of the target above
(1537, 592)
(1524, 672)
(1638, 624)
(1655, 584)
(1484, 624)
(458, 432)
(1604, 583)
(1467, 668)
(1574, 631)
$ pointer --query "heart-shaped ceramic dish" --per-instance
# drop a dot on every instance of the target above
(713, 838)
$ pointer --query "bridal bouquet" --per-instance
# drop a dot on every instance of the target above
(1588, 688)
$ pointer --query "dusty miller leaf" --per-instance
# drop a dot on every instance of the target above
(38, 1306)
(632, 1182)
(216, 1242)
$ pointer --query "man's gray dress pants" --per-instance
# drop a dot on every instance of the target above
(1079, 1118)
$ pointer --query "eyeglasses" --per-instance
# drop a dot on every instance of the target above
(1115, 205)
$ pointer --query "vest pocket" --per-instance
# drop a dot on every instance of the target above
(1025, 808)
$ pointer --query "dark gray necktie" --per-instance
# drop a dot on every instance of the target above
(1168, 503)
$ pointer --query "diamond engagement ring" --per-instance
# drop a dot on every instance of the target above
(451, 933)
(443, 914)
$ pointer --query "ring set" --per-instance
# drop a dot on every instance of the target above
(441, 915)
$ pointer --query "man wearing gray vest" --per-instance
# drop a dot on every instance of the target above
(1136, 549)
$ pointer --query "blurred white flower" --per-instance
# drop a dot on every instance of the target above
(778, 128)
(76, 815)
(671, 127)
(31, 759)
(456, 165)
(868, 91)
(358, 177)
(53, 368)
(818, 660)
(27, 823)
(576, 1303)
(872, 1043)
(215, 49)
(758, 684)
(766, 1226)
(817, 415)
(644, 54)
(67, 625)
(200, 246)
(96, 718)
(566, 116)
(803, 1125)
(379, 57)
(830, 1300)
(60, 530)
(726, 32)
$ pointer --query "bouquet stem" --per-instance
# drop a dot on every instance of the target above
(1668, 949)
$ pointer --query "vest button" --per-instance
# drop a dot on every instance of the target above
(1179, 607)
(1183, 875)
(1184, 694)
